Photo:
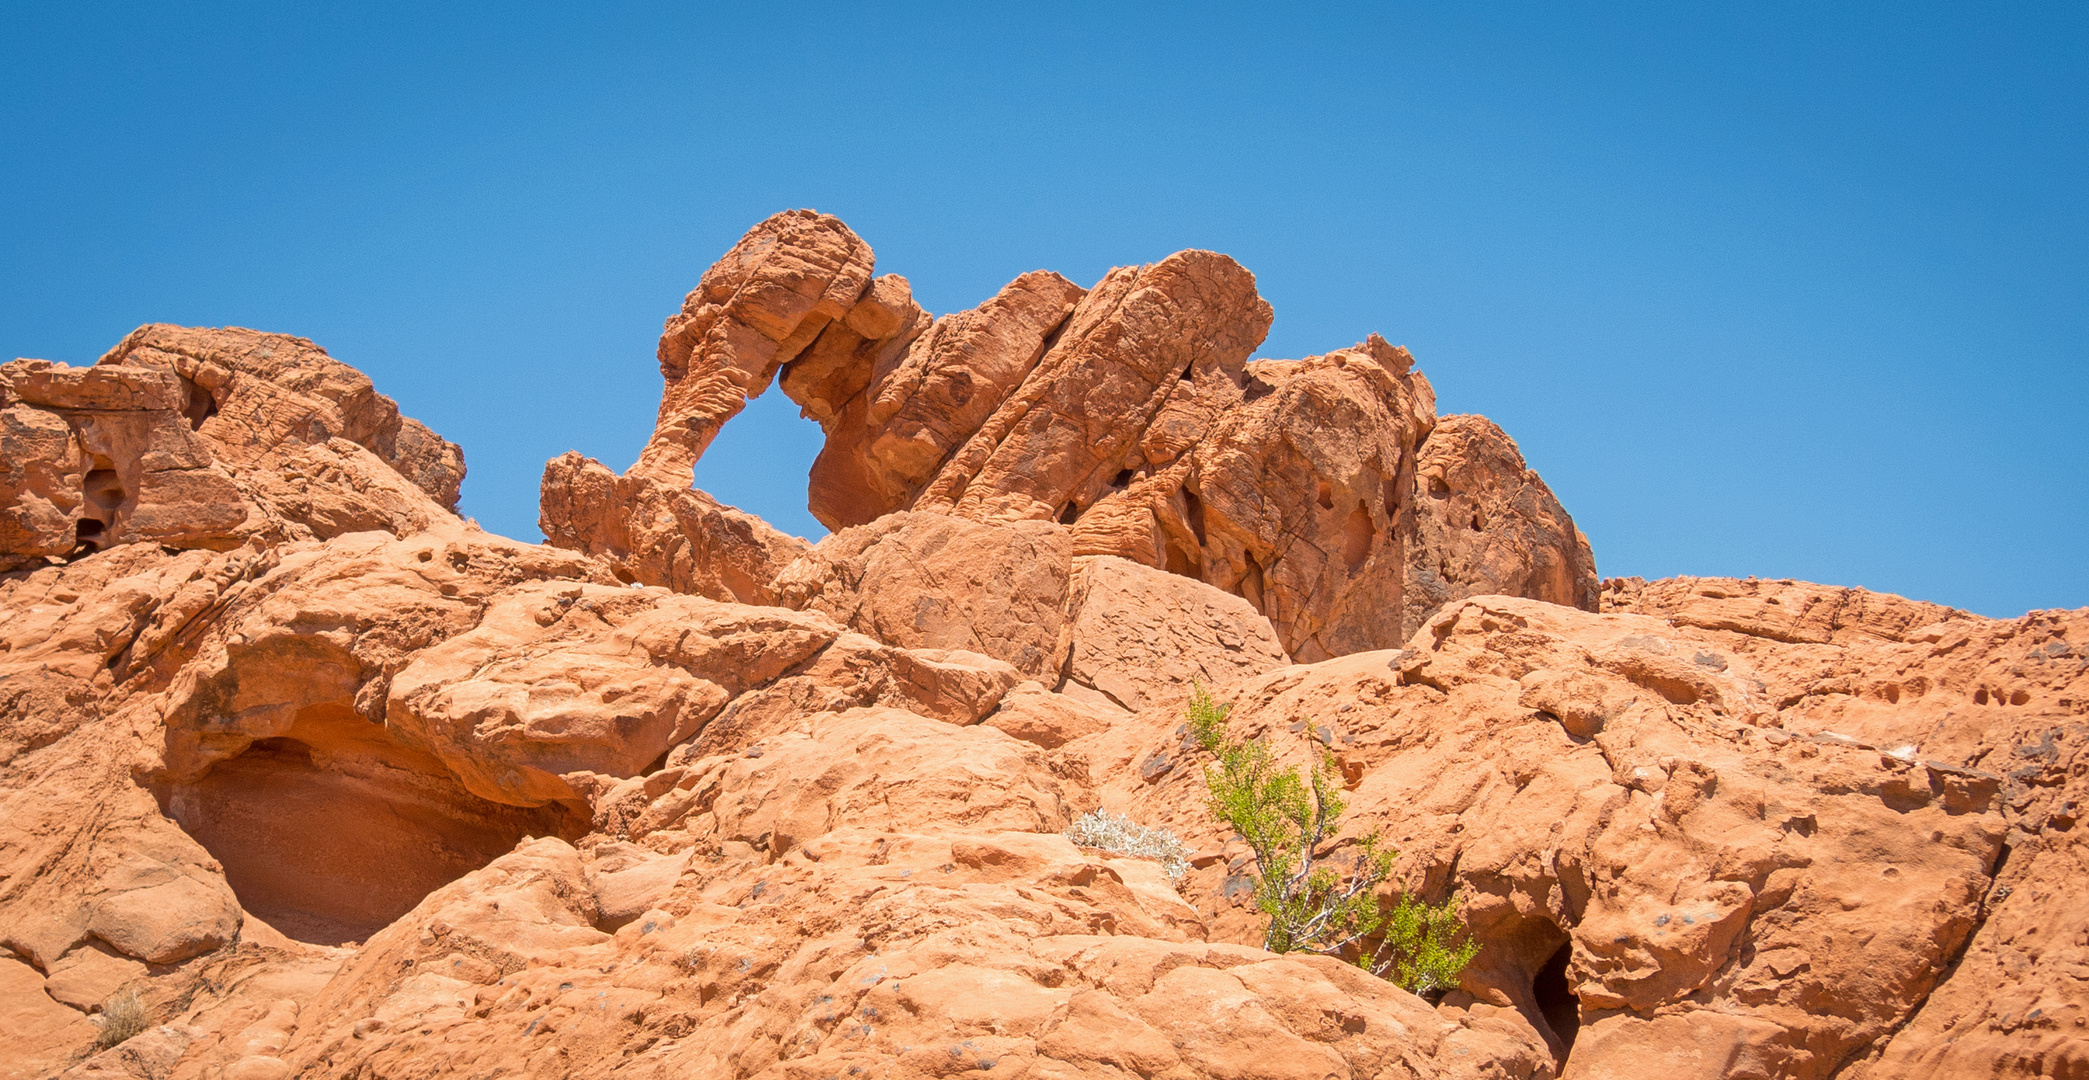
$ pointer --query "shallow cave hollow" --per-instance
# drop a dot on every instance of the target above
(1555, 998)
(332, 831)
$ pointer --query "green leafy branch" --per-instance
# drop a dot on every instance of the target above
(1286, 820)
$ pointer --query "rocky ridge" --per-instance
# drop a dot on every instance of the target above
(344, 786)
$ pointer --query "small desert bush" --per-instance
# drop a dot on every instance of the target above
(1286, 821)
(1120, 835)
(122, 1016)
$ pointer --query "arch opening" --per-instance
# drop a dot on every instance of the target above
(760, 460)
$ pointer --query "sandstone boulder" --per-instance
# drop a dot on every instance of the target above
(934, 581)
(1296, 500)
(1035, 715)
(653, 534)
(559, 679)
(1142, 636)
(250, 393)
(1142, 337)
(90, 975)
(893, 420)
(102, 456)
(1484, 524)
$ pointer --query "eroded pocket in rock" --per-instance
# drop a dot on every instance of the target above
(332, 831)
(1556, 1001)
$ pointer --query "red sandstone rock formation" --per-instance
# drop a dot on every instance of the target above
(204, 438)
(1129, 413)
(342, 786)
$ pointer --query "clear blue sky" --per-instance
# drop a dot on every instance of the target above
(1793, 290)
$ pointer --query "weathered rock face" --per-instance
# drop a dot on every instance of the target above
(927, 387)
(1138, 635)
(198, 438)
(674, 537)
(934, 581)
(2001, 699)
(1485, 524)
(252, 394)
(103, 455)
(342, 786)
(1298, 500)
(1129, 413)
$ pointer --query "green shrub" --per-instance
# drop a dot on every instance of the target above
(1286, 820)
(122, 1016)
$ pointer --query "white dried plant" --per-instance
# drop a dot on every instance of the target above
(1120, 835)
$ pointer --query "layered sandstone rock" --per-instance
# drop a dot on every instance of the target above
(891, 423)
(196, 438)
(1672, 860)
(347, 787)
(1486, 524)
(934, 581)
(1129, 413)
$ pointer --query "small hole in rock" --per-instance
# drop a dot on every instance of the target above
(1122, 479)
(1069, 513)
(1556, 1000)
(197, 404)
(1357, 533)
(102, 498)
(1193, 512)
(1980, 696)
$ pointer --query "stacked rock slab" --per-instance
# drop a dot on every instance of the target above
(202, 439)
(1128, 413)
(104, 455)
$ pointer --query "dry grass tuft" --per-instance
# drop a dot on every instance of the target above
(122, 1016)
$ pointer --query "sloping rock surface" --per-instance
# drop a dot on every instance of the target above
(340, 785)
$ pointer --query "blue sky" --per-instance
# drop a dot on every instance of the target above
(1784, 290)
